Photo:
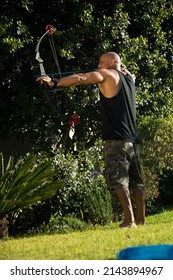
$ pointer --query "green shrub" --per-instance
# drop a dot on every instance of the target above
(59, 224)
(157, 158)
(98, 205)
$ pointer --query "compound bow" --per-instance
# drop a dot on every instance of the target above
(74, 119)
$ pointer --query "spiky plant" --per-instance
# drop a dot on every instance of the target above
(31, 179)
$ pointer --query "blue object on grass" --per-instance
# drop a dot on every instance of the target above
(150, 252)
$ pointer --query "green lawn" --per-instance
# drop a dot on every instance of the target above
(95, 244)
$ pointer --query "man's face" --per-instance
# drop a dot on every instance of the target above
(104, 62)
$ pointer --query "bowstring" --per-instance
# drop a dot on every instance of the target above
(74, 46)
(52, 45)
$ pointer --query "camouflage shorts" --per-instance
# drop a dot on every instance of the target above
(122, 165)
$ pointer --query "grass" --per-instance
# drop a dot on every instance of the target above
(101, 243)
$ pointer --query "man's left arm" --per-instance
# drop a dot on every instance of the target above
(74, 80)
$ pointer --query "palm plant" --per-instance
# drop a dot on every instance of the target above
(31, 179)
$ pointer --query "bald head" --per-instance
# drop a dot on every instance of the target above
(110, 60)
(114, 56)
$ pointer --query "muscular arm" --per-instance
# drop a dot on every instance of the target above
(106, 79)
(75, 80)
(81, 79)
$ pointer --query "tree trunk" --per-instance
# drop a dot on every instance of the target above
(3, 227)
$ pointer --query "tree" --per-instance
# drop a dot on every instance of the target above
(141, 34)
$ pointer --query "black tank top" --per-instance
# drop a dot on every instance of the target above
(119, 112)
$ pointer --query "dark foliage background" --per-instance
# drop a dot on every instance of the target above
(141, 32)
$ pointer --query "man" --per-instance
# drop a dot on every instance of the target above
(122, 161)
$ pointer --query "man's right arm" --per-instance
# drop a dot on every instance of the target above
(125, 71)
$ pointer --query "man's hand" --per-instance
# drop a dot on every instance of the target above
(45, 79)
(125, 71)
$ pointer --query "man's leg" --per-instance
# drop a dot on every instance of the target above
(136, 184)
(139, 196)
(123, 195)
(117, 162)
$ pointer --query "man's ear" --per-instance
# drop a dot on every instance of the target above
(112, 62)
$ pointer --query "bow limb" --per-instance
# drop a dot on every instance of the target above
(49, 30)
(37, 55)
